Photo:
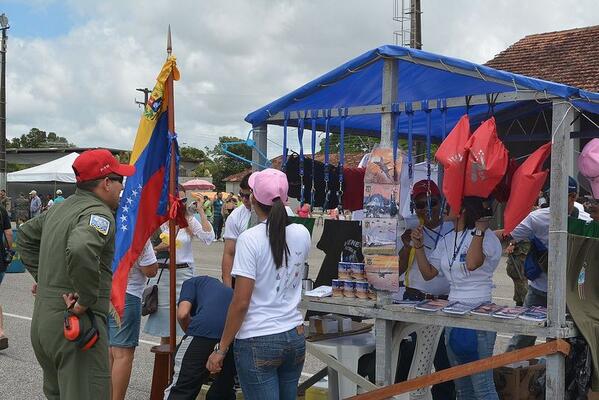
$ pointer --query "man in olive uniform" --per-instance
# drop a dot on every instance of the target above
(69, 251)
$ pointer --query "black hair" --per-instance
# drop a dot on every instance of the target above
(244, 184)
(276, 225)
(89, 185)
(474, 209)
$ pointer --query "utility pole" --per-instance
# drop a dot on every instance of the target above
(4, 27)
(146, 93)
(415, 25)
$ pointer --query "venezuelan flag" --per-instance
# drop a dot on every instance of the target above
(144, 203)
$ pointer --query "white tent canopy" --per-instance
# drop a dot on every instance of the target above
(59, 170)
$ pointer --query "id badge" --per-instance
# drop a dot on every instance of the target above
(463, 258)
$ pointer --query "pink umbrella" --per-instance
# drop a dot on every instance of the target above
(198, 184)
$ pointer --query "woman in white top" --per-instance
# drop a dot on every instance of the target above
(158, 322)
(467, 257)
(263, 317)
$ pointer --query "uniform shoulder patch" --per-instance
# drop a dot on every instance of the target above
(100, 223)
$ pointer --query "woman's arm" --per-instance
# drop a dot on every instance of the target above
(475, 257)
(404, 253)
(426, 269)
(242, 295)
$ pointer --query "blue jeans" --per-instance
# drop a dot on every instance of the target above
(478, 386)
(269, 367)
(127, 335)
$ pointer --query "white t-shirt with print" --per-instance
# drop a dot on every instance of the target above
(237, 222)
(439, 285)
(137, 279)
(277, 292)
(467, 286)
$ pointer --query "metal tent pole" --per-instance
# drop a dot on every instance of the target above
(563, 115)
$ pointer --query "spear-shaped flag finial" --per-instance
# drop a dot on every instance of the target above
(169, 43)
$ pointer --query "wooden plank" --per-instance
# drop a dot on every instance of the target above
(389, 96)
(553, 347)
(340, 368)
(394, 312)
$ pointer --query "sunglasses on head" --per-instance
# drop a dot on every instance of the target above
(421, 205)
(244, 195)
(117, 178)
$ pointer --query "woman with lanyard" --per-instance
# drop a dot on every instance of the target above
(263, 317)
(158, 322)
(467, 257)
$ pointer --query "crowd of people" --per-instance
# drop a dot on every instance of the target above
(247, 325)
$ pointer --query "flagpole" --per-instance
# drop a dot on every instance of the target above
(171, 223)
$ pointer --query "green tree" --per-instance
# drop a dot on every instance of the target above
(353, 143)
(222, 165)
(36, 138)
(192, 153)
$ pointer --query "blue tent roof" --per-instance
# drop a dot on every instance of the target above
(422, 76)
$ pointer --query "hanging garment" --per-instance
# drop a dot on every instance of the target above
(340, 241)
(487, 161)
(582, 285)
(452, 155)
(529, 175)
(294, 179)
(353, 188)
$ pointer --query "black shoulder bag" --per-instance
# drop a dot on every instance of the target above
(149, 298)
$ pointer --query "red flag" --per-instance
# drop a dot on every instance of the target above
(527, 181)
(487, 161)
(452, 155)
(501, 193)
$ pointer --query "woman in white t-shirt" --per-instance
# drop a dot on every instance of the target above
(467, 257)
(158, 322)
(263, 317)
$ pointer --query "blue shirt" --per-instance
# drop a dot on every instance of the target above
(217, 205)
(210, 300)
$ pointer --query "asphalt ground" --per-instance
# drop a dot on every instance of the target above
(21, 376)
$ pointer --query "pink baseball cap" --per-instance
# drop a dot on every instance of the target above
(588, 165)
(269, 184)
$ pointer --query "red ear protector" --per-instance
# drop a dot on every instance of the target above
(72, 330)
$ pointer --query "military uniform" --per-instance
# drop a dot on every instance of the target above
(515, 270)
(69, 249)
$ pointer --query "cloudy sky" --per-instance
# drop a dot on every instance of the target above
(73, 66)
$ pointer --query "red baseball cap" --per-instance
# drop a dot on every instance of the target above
(425, 186)
(99, 163)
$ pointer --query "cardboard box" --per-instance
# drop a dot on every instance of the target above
(321, 325)
(519, 382)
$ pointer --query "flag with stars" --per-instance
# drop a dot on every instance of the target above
(144, 202)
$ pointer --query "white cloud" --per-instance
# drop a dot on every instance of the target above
(234, 57)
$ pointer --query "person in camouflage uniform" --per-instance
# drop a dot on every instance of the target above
(516, 255)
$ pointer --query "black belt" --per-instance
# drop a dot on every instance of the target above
(415, 294)
(163, 266)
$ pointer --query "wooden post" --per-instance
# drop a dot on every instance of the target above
(171, 223)
(563, 115)
(383, 331)
(389, 95)
(260, 135)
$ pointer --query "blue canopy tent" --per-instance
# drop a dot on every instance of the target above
(422, 76)
(376, 90)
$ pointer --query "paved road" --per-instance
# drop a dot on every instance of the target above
(21, 376)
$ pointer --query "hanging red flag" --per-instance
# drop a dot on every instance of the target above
(452, 155)
(487, 160)
(529, 178)
(501, 193)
